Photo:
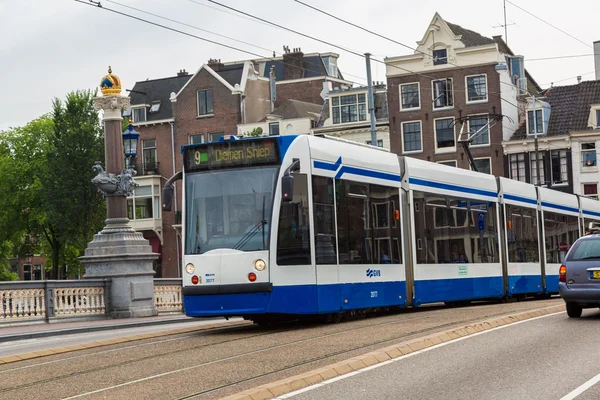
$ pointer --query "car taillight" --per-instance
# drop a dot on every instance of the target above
(562, 274)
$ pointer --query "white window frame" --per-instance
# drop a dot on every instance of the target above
(433, 94)
(484, 158)
(157, 104)
(197, 134)
(566, 183)
(581, 151)
(517, 163)
(467, 89)
(133, 114)
(402, 132)
(488, 144)
(443, 149)
(532, 168)
(445, 162)
(527, 120)
(208, 114)
(418, 91)
(339, 96)
(155, 203)
(445, 59)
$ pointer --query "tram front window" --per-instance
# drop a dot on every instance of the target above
(229, 209)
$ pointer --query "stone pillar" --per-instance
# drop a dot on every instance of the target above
(118, 252)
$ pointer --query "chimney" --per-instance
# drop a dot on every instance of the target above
(182, 72)
(579, 79)
(597, 59)
(293, 64)
(215, 64)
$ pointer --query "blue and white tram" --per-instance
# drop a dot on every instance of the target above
(302, 225)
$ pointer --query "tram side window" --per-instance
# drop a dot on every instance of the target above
(354, 233)
(324, 220)
(386, 229)
(454, 230)
(522, 234)
(560, 232)
(293, 235)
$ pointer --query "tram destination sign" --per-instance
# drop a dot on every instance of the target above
(231, 154)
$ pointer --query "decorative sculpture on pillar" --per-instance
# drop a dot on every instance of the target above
(118, 252)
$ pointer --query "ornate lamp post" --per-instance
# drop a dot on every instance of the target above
(118, 252)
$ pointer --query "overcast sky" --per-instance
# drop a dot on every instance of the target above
(51, 47)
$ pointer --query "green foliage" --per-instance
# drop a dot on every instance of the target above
(48, 204)
(256, 132)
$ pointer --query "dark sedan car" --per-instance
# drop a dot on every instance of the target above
(579, 275)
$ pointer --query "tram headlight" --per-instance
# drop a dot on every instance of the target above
(260, 265)
(190, 268)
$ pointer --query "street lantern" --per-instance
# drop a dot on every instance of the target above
(130, 141)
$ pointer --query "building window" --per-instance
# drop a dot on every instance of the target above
(149, 155)
(411, 136)
(590, 190)
(155, 106)
(442, 93)
(597, 119)
(27, 272)
(196, 139)
(205, 102)
(534, 177)
(444, 134)
(349, 108)
(274, 129)
(409, 96)
(558, 160)
(379, 142)
(215, 136)
(145, 203)
(440, 57)
(539, 122)
(588, 154)
(476, 88)
(139, 114)
(517, 167)
(37, 272)
(484, 165)
(451, 163)
(480, 126)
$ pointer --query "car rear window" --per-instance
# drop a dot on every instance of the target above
(585, 250)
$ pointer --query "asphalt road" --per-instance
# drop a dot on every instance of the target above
(51, 342)
(544, 358)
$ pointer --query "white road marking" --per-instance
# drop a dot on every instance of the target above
(582, 388)
(339, 378)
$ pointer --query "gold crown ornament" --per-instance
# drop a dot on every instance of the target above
(110, 85)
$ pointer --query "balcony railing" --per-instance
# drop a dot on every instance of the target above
(147, 168)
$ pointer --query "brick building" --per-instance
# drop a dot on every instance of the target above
(172, 112)
(454, 73)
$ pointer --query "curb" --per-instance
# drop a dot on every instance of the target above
(291, 384)
(108, 342)
(68, 331)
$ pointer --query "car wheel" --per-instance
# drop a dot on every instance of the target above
(573, 310)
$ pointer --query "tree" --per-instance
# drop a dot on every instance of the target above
(74, 209)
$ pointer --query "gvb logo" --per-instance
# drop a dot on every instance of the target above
(373, 272)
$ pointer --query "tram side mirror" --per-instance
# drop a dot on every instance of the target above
(287, 188)
(287, 181)
(167, 198)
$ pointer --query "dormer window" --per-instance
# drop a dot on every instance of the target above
(440, 57)
(155, 106)
(349, 108)
(537, 125)
(139, 114)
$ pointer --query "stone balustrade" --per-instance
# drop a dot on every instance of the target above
(61, 300)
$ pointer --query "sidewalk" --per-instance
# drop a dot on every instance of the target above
(21, 331)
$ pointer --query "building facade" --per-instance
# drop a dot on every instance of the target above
(455, 73)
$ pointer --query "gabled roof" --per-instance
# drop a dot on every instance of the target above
(570, 108)
(232, 73)
(381, 108)
(469, 38)
(145, 92)
(291, 109)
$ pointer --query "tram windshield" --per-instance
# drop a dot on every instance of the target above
(229, 209)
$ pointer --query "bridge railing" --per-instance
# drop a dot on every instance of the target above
(89, 298)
